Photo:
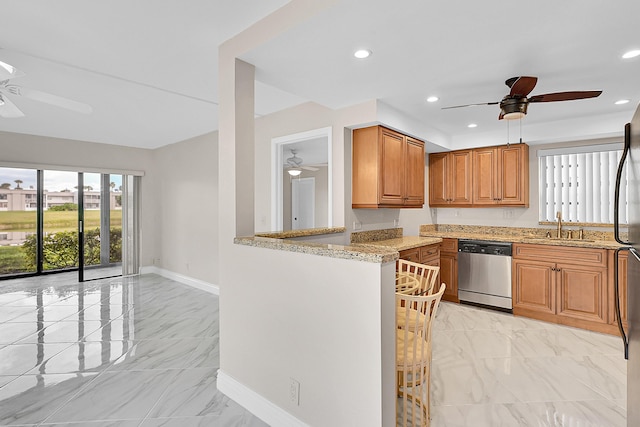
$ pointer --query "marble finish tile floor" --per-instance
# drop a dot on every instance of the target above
(493, 369)
(138, 351)
(143, 351)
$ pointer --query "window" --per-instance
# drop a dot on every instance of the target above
(580, 183)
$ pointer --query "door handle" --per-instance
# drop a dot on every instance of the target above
(616, 296)
(616, 203)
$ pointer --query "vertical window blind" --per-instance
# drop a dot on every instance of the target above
(580, 183)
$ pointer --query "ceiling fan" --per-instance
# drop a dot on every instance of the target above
(296, 162)
(9, 110)
(514, 105)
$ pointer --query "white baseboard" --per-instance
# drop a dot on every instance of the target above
(196, 283)
(255, 403)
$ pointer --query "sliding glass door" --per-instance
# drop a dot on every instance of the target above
(53, 221)
(100, 226)
(18, 221)
(59, 220)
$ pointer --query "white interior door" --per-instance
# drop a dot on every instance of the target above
(303, 196)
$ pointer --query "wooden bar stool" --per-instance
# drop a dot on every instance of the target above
(413, 355)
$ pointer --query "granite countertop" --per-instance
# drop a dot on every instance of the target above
(288, 234)
(404, 242)
(531, 239)
(376, 254)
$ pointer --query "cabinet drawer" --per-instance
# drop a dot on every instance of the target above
(412, 255)
(564, 254)
(429, 253)
(449, 245)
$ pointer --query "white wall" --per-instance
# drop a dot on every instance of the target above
(37, 150)
(332, 331)
(186, 207)
(298, 119)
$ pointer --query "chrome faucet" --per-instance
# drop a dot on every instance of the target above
(559, 216)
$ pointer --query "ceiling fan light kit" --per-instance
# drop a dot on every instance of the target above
(513, 108)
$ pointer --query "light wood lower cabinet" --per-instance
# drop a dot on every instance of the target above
(533, 287)
(573, 292)
(449, 269)
(427, 255)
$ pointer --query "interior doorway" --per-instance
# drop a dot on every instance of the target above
(303, 206)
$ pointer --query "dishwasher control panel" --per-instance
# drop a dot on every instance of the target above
(484, 247)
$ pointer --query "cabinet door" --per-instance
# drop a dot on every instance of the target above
(533, 286)
(459, 176)
(414, 173)
(438, 191)
(392, 150)
(622, 282)
(449, 276)
(513, 175)
(485, 176)
(582, 293)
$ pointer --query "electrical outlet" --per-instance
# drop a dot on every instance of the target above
(357, 225)
(396, 222)
(294, 391)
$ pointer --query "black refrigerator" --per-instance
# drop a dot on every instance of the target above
(631, 337)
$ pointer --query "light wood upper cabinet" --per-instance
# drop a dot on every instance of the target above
(450, 177)
(501, 175)
(481, 177)
(388, 169)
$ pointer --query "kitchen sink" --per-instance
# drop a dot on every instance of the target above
(555, 239)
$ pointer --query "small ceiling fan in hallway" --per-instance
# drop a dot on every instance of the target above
(7, 90)
(296, 162)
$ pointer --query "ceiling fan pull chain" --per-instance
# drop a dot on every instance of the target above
(520, 129)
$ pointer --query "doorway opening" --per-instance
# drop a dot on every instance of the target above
(295, 158)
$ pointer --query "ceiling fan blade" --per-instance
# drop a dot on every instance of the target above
(9, 71)
(471, 105)
(51, 99)
(8, 109)
(522, 86)
(310, 168)
(565, 96)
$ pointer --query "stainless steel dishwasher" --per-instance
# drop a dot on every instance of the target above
(484, 273)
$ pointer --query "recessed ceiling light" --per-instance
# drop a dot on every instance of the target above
(362, 53)
(631, 54)
(472, 125)
(432, 99)
(621, 101)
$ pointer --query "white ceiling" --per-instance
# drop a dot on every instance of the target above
(149, 68)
